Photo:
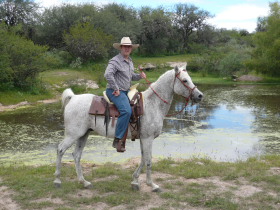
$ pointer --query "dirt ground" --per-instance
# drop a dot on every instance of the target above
(249, 78)
(240, 189)
(6, 201)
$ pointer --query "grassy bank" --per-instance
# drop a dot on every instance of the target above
(53, 82)
(188, 184)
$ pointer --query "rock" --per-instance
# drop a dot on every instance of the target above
(1, 104)
(147, 66)
(179, 64)
(90, 84)
(234, 77)
(200, 163)
(249, 78)
(23, 103)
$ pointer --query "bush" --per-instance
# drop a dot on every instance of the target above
(77, 63)
(20, 59)
(6, 77)
(232, 63)
(57, 59)
(206, 63)
(86, 42)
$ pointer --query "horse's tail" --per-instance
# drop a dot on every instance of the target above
(66, 97)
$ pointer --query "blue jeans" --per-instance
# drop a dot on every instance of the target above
(122, 104)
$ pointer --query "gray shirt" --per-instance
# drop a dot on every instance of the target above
(120, 72)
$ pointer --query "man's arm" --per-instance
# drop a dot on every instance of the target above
(110, 75)
(136, 77)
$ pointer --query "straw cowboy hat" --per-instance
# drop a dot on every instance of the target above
(125, 41)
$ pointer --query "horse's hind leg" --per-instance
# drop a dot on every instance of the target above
(62, 147)
(77, 157)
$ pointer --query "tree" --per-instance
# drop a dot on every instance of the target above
(118, 21)
(84, 41)
(187, 19)
(261, 24)
(155, 31)
(53, 22)
(13, 12)
(266, 56)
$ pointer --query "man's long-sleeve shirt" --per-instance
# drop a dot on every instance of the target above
(120, 72)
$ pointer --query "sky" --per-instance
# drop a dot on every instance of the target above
(229, 14)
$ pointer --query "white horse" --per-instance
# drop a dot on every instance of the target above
(157, 102)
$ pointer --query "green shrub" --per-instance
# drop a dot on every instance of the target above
(20, 60)
(206, 63)
(57, 59)
(232, 63)
(86, 42)
(77, 63)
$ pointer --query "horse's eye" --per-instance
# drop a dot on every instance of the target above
(185, 81)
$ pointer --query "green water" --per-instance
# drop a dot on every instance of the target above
(232, 123)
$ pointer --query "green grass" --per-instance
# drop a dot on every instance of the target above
(15, 96)
(189, 185)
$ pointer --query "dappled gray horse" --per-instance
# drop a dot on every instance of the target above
(157, 102)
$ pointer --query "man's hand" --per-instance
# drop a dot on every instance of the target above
(143, 75)
(116, 93)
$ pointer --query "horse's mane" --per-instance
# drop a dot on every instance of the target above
(164, 78)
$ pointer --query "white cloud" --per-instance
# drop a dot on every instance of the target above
(241, 16)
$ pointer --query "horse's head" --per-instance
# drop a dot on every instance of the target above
(184, 86)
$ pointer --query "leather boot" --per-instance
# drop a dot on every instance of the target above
(115, 142)
(121, 146)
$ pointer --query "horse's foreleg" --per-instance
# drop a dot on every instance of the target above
(62, 147)
(135, 183)
(77, 157)
(147, 152)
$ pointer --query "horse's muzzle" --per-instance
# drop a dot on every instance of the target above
(197, 96)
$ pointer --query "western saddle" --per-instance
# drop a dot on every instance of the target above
(102, 106)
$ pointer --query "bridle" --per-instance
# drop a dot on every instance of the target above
(166, 102)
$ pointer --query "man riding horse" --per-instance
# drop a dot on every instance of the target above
(119, 74)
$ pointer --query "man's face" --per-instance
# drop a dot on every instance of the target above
(126, 50)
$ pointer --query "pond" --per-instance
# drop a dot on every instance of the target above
(232, 123)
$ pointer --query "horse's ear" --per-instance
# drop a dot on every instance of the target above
(176, 69)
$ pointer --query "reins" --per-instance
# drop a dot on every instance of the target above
(149, 83)
(166, 102)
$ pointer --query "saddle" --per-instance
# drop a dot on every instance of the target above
(102, 106)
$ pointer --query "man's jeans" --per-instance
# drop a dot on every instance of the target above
(122, 104)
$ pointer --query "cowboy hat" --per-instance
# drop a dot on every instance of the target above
(125, 41)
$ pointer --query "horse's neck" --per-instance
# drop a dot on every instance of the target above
(164, 88)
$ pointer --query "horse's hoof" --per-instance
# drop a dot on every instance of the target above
(157, 190)
(57, 184)
(88, 186)
(135, 187)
